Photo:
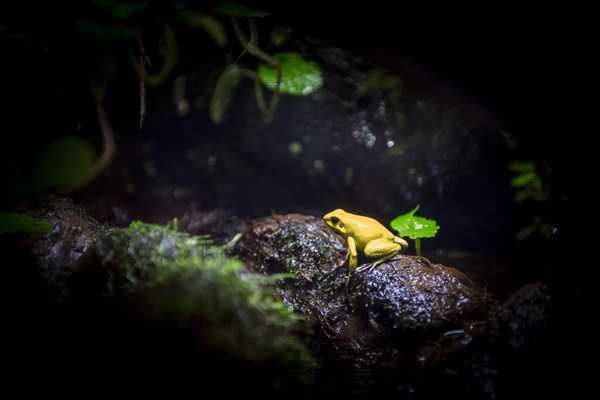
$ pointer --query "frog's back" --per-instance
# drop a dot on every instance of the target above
(369, 228)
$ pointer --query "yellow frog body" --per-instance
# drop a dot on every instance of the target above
(364, 234)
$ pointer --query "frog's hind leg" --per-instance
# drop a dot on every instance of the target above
(370, 266)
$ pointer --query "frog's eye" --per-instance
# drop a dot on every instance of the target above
(335, 220)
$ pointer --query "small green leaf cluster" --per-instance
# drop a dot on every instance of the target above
(527, 181)
(530, 185)
(415, 227)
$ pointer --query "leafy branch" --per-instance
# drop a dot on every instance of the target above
(282, 73)
(529, 184)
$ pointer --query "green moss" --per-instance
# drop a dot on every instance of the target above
(17, 223)
(183, 280)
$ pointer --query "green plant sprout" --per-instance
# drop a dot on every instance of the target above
(415, 227)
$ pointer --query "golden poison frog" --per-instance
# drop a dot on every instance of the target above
(364, 234)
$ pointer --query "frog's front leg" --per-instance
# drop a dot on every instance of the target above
(352, 255)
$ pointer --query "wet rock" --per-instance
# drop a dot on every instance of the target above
(57, 253)
(295, 243)
(524, 316)
(403, 326)
(401, 301)
(154, 303)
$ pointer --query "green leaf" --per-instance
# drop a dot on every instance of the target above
(522, 195)
(413, 226)
(537, 225)
(280, 35)
(122, 11)
(65, 160)
(15, 223)
(298, 76)
(224, 89)
(521, 166)
(525, 232)
(211, 25)
(234, 9)
(526, 179)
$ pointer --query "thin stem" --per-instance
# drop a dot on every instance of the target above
(143, 61)
(258, 91)
(418, 246)
(252, 47)
(169, 62)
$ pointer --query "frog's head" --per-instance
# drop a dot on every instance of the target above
(335, 220)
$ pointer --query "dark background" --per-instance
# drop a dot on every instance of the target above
(525, 67)
(515, 61)
(521, 69)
